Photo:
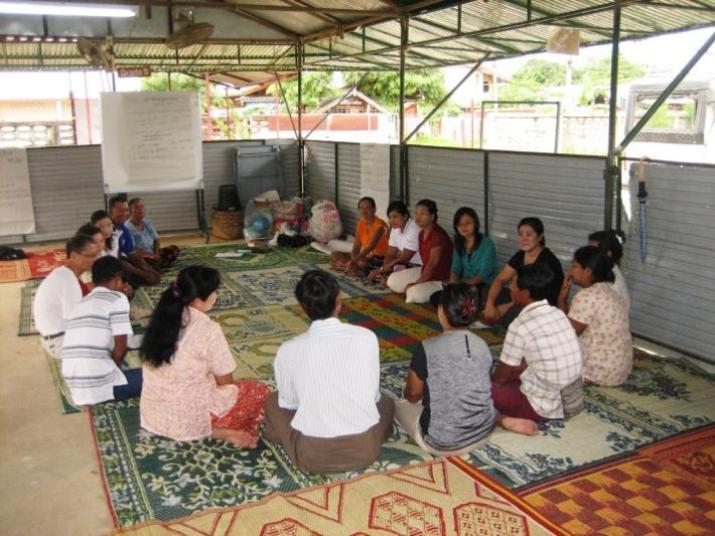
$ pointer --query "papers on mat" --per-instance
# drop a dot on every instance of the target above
(343, 246)
(232, 254)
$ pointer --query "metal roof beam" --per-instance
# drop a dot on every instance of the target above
(334, 21)
(482, 40)
(369, 21)
(247, 14)
(526, 6)
(68, 40)
(219, 4)
(697, 7)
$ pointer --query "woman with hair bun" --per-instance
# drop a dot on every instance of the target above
(599, 317)
(611, 243)
(447, 406)
(189, 392)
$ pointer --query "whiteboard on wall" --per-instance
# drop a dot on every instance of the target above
(151, 142)
(375, 174)
(16, 213)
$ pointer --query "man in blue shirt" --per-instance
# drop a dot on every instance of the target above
(146, 239)
(138, 271)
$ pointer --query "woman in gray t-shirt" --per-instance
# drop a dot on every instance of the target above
(447, 406)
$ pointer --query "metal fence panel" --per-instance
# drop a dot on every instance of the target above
(394, 173)
(451, 178)
(673, 291)
(291, 163)
(565, 192)
(349, 184)
(219, 169)
(66, 184)
(320, 172)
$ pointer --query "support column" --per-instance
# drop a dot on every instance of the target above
(404, 38)
(612, 171)
(209, 121)
(301, 152)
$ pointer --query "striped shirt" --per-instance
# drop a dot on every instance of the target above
(87, 364)
(331, 376)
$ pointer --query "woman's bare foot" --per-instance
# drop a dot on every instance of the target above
(518, 426)
(241, 439)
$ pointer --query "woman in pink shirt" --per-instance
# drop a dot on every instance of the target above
(189, 392)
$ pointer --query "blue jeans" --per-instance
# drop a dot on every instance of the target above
(132, 388)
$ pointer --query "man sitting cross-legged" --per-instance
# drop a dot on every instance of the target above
(95, 341)
(540, 367)
(60, 291)
(146, 239)
(136, 269)
(328, 412)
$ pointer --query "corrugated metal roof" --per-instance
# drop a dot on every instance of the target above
(356, 34)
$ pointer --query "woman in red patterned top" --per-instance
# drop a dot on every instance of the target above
(189, 392)
(435, 251)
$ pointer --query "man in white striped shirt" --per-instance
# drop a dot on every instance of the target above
(328, 412)
(95, 341)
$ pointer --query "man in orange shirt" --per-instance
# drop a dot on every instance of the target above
(370, 244)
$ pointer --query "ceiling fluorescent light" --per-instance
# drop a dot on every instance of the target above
(66, 9)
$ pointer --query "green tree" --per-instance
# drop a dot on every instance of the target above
(597, 71)
(317, 87)
(540, 73)
(179, 82)
(529, 82)
(595, 77)
(426, 86)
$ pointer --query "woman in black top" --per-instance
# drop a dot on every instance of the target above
(532, 250)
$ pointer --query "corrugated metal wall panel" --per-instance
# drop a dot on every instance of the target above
(219, 169)
(566, 193)
(673, 292)
(394, 172)
(349, 179)
(291, 174)
(320, 173)
(451, 178)
(67, 187)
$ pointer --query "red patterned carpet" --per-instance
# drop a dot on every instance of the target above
(666, 488)
(42, 263)
(437, 498)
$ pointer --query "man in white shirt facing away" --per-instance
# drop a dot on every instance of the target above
(328, 413)
(60, 291)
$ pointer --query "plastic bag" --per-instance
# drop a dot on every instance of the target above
(257, 221)
(325, 222)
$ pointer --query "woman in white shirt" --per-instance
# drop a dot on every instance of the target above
(101, 220)
(403, 256)
(611, 243)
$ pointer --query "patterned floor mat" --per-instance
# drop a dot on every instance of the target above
(433, 498)
(665, 488)
(26, 324)
(151, 477)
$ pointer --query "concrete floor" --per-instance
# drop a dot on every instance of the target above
(49, 475)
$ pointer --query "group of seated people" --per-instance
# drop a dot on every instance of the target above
(328, 411)
(122, 233)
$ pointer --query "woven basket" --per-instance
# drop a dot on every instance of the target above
(227, 224)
